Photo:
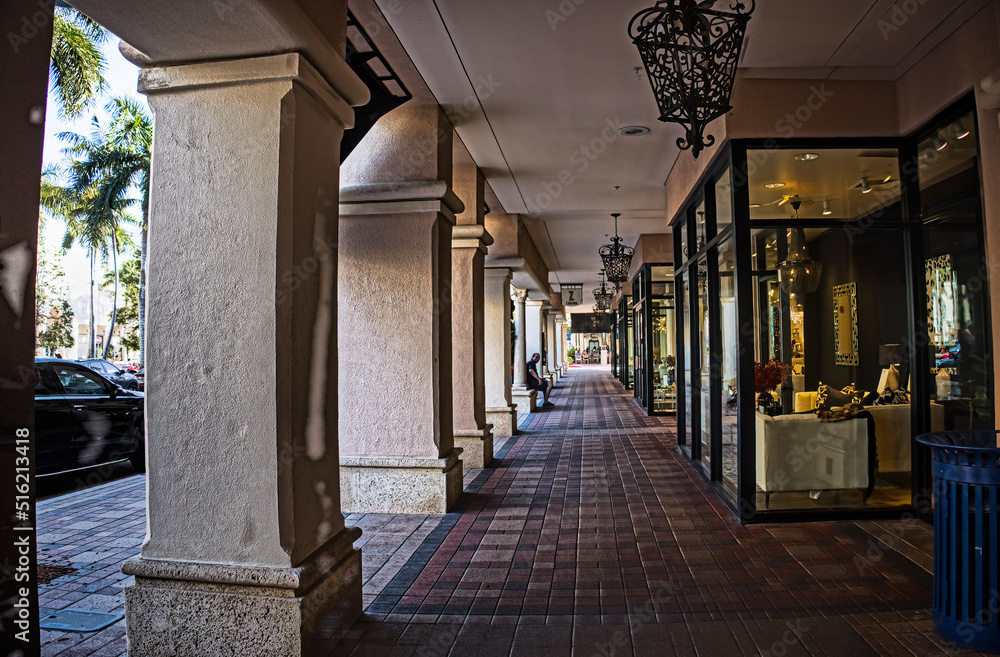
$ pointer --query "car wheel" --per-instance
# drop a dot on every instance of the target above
(133, 385)
(138, 456)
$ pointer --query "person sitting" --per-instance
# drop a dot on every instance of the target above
(536, 382)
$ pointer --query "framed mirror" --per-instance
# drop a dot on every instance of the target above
(845, 324)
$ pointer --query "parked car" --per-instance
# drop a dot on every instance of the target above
(141, 375)
(83, 419)
(109, 371)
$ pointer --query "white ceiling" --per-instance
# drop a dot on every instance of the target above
(536, 94)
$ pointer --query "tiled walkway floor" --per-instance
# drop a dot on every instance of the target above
(590, 536)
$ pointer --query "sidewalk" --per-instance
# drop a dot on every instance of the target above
(591, 536)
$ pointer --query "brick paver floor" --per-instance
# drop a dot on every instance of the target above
(590, 536)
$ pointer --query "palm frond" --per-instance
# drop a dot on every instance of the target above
(77, 66)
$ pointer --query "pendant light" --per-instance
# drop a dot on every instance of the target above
(617, 257)
(799, 273)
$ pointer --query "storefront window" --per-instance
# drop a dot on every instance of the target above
(840, 343)
(705, 363)
(955, 277)
(826, 183)
(664, 342)
(685, 308)
(830, 287)
(728, 364)
(723, 201)
(700, 228)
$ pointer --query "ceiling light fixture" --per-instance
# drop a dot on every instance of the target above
(826, 208)
(633, 131)
(617, 257)
(690, 52)
(939, 144)
(865, 186)
(959, 130)
(602, 296)
(799, 273)
(775, 185)
(807, 157)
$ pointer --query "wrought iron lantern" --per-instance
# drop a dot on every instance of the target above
(617, 257)
(691, 51)
(602, 296)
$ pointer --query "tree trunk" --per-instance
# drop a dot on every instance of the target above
(114, 306)
(142, 282)
(93, 325)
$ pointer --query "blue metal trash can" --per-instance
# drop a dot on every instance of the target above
(966, 605)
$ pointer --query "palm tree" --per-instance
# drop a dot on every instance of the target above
(77, 64)
(92, 226)
(113, 161)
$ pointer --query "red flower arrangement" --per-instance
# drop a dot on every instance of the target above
(769, 376)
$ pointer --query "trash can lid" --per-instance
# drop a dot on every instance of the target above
(980, 440)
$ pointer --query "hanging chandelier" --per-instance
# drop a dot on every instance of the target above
(602, 296)
(617, 257)
(799, 274)
(691, 52)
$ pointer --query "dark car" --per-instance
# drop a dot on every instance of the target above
(83, 419)
(111, 372)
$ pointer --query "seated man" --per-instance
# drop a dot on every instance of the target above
(536, 382)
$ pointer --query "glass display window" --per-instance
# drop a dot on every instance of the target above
(833, 307)
(654, 347)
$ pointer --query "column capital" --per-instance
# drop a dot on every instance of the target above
(269, 68)
(400, 198)
(470, 236)
(518, 295)
(497, 273)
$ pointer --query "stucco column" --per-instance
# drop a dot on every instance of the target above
(397, 452)
(246, 551)
(469, 242)
(472, 433)
(552, 356)
(500, 412)
(521, 396)
(533, 327)
(563, 362)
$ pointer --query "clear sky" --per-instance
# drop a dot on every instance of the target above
(122, 77)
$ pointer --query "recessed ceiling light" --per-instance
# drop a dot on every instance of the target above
(774, 185)
(633, 131)
(805, 157)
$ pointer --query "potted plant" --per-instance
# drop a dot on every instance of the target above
(766, 378)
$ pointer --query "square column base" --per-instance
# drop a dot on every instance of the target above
(191, 608)
(400, 484)
(503, 419)
(525, 400)
(477, 446)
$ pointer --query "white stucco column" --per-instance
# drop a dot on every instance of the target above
(500, 412)
(246, 551)
(552, 356)
(561, 338)
(397, 211)
(533, 329)
(520, 394)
